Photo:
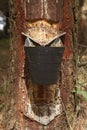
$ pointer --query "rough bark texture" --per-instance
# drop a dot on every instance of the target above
(21, 14)
(44, 9)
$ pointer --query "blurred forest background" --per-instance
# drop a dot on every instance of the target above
(4, 48)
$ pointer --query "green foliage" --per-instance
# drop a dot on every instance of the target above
(80, 92)
(4, 42)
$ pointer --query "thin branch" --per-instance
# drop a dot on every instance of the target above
(83, 45)
(67, 116)
(82, 64)
(83, 53)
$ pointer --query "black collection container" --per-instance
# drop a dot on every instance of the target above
(44, 63)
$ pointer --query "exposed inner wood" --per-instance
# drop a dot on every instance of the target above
(44, 101)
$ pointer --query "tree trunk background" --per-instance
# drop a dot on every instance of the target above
(21, 13)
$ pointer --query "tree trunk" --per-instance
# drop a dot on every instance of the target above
(30, 106)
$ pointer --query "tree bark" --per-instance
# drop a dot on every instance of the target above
(21, 92)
